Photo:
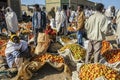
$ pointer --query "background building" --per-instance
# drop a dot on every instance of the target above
(66, 3)
(29, 8)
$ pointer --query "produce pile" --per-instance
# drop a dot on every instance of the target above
(77, 51)
(105, 46)
(112, 56)
(25, 25)
(2, 42)
(74, 36)
(25, 31)
(2, 47)
(65, 39)
(93, 71)
(52, 58)
(71, 29)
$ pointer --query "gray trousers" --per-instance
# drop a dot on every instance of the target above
(94, 49)
(36, 32)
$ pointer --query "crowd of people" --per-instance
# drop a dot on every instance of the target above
(94, 25)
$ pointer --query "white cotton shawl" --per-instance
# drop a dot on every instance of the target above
(11, 20)
(15, 47)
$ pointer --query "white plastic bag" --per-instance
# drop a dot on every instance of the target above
(75, 75)
(101, 78)
(72, 41)
(86, 44)
(52, 23)
(67, 53)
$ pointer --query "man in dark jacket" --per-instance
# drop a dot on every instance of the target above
(38, 22)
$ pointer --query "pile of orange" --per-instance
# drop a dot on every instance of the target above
(52, 58)
(105, 46)
(93, 71)
(112, 56)
(65, 39)
(70, 29)
(2, 47)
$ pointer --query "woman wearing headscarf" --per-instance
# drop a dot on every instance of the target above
(11, 20)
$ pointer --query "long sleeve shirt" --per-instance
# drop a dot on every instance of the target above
(97, 26)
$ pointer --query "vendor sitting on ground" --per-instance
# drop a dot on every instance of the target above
(16, 51)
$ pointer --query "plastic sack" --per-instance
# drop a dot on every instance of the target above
(101, 78)
(77, 52)
(75, 75)
(72, 41)
(67, 53)
(86, 44)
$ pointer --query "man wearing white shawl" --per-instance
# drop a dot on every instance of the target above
(11, 20)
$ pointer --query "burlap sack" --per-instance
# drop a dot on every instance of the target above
(25, 71)
(60, 67)
(42, 37)
(43, 43)
(42, 47)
